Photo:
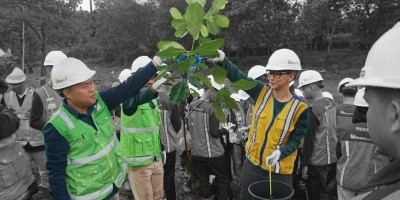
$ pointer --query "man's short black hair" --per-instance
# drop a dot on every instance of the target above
(348, 91)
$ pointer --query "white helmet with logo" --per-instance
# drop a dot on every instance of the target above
(16, 76)
(124, 75)
(284, 59)
(140, 62)
(256, 71)
(69, 72)
(54, 57)
(308, 77)
(382, 66)
(359, 98)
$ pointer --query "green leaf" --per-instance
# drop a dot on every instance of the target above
(175, 13)
(179, 93)
(202, 77)
(203, 40)
(243, 84)
(162, 45)
(213, 28)
(201, 2)
(221, 21)
(219, 113)
(209, 48)
(219, 74)
(170, 52)
(194, 18)
(224, 96)
(195, 81)
(179, 25)
(217, 5)
(204, 31)
(202, 66)
(163, 71)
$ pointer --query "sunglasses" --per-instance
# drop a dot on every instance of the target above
(277, 74)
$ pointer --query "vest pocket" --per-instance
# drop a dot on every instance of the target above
(13, 171)
(144, 144)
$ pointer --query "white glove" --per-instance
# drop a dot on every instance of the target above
(164, 157)
(158, 85)
(243, 129)
(273, 158)
(220, 58)
(157, 61)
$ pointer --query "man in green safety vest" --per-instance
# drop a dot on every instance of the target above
(140, 139)
(84, 157)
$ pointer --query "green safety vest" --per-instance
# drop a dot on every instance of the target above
(94, 158)
(140, 135)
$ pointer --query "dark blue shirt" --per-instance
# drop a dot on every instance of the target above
(57, 146)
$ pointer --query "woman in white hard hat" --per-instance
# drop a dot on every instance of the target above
(84, 158)
(279, 120)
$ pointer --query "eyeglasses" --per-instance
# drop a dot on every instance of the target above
(277, 74)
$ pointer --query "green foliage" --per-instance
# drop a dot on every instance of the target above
(199, 24)
(243, 84)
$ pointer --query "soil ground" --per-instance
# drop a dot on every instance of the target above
(338, 65)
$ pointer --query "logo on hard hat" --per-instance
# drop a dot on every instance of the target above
(61, 80)
(292, 62)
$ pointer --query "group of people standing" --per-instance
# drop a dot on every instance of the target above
(345, 150)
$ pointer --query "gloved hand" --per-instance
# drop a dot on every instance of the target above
(158, 85)
(304, 172)
(244, 129)
(273, 158)
(219, 58)
(158, 61)
(164, 157)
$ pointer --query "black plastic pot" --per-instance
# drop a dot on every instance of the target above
(280, 191)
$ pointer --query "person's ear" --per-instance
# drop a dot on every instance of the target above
(393, 111)
(67, 92)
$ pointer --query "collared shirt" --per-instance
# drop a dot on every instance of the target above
(57, 146)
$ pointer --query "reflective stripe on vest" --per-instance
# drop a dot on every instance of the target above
(256, 117)
(140, 159)
(140, 130)
(86, 160)
(105, 190)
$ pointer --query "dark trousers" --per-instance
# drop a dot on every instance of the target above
(322, 182)
(169, 176)
(204, 167)
(253, 173)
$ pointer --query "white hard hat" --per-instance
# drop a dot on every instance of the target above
(382, 66)
(69, 72)
(235, 97)
(359, 98)
(284, 59)
(344, 82)
(256, 71)
(16, 76)
(327, 95)
(298, 92)
(140, 62)
(243, 95)
(124, 75)
(54, 57)
(215, 84)
(308, 77)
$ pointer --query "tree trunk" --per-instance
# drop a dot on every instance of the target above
(43, 51)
